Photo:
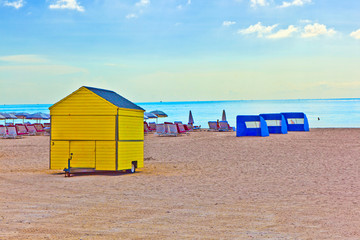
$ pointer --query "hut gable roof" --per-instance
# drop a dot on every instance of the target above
(114, 98)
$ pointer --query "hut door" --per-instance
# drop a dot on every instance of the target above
(83, 154)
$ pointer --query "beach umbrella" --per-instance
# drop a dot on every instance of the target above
(22, 115)
(38, 116)
(9, 116)
(149, 115)
(159, 113)
(2, 117)
(191, 119)
(223, 118)
(145, 117)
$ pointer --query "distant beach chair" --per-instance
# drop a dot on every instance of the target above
(213, 126)
(146, 128)
(191, 127)
(47, 125)
(152, 126)
(180, 127)
(11, 132)
(160, 129)
(172, 130)
(3, 133)
(224, 126)
(31, 129)
(39, 128)
(21, 129)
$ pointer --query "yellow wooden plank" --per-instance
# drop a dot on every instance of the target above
(129, 152)
(83, 128)
(131, 128)
(59, 155)
(105, 155)
(83, 102)
(83, 154)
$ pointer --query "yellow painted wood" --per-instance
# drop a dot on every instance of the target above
(105, 155)
(129, 152)
(131, 128)
(83, 102)
(83, 127)
(83, 154)
(59, 153)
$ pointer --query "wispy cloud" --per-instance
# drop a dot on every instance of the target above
(15, 4)
(284, 33)
(131, 15)
(180, 6)
(294, 3)
(228, 23)
(259, 29)
(67, 4)
(142, 3)
(355, 34)
(316, 29)
(305, 21)
(261, 3)
(23, 59)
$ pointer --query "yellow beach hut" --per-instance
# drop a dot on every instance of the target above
(98, 129)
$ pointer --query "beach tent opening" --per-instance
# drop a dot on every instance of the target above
(276, 122)
(100, 129)
(251, 125)
(296, 121)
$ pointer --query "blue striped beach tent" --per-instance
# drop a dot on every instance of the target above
(276, 122)
(296, 121)
(251, 125)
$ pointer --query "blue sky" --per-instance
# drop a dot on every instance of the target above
(175, 50)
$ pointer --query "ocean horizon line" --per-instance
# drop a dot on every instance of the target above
(213, 101)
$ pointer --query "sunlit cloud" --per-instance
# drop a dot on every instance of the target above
(15, 4)
(294, 3)
(316, 29)
(228, 23)
(256, 3)
(131, 15)
(284, 33)
(23, 59)
(355, 34)
(67, 4)
(142, 3)
(258, 28)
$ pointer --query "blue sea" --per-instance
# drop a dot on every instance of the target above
(333, 113)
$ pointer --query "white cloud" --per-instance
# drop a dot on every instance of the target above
(180, 7)
(67, 4)
(23, 59)
(255, 3)
(142, 3)
(355, 34)
(316, 29)
(131, 15)
(283, 33)
(294, 3)
(228, 23)
(258, 28)
(16, 4)
(305, 21)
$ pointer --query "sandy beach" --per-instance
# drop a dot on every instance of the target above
(205, 185)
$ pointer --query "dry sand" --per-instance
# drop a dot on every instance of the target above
(206, 185)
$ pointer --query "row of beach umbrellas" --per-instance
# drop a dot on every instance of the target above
(23, 115)
(157, 113)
